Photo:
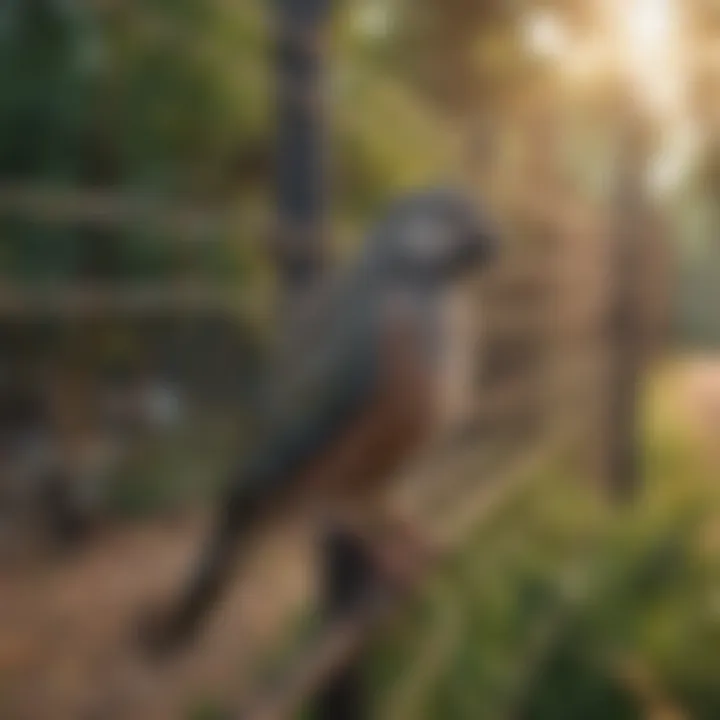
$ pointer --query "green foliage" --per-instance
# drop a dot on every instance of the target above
(47, 64)
(176, 99)
(560, 604)
(515, 574)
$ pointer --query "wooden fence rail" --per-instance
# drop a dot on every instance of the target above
(62, 205)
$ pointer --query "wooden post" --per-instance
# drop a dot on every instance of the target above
(625, 331)
(302, 196)
(302, 200)
(347, 574)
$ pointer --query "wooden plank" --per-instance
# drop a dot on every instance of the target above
(116, 209)
(67, 302)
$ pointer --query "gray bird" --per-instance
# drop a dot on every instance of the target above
(354, 390)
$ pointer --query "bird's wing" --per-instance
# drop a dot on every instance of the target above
(315, 400)
(372, 371)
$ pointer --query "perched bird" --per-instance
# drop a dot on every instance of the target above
(355, 388)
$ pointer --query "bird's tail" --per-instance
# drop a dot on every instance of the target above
(237, 517)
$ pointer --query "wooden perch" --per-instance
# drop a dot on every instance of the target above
(337, 644)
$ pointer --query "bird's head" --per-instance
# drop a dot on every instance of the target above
(437, 237)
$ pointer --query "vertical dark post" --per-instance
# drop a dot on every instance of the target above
(302, 200)
(302, 196)
(347, 574)
(625, 329)
(301, 143)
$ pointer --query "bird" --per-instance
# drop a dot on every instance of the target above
(352, 392)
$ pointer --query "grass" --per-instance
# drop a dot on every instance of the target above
(504, 592)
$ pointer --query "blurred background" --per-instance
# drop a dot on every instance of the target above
(141, 288)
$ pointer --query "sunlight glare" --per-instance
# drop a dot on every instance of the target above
(650, 46)
(545, 34)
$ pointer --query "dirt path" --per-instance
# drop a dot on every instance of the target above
(66, 627)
